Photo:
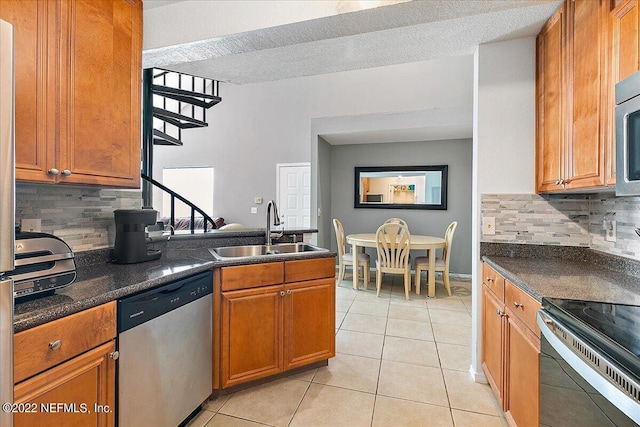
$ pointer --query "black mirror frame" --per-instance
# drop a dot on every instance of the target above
(444, 169)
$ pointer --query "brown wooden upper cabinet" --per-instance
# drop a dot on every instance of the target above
(77, 90)
(573, 126)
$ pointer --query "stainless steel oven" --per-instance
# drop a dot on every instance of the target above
(589, 364)
(628, 136)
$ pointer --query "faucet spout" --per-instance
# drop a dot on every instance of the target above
(276, 220)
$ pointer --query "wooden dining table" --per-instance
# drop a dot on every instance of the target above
(428, 243)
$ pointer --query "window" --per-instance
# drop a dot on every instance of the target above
(193, 183)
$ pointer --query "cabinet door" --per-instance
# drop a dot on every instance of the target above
(523, 381)
(101, 50)
(34, 62)
(80, 392)
(550, 109)
(586, 41)
(625, 40)
(309, 322)
(251, 334)
(492, 342)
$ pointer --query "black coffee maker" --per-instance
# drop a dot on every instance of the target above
(131, 243)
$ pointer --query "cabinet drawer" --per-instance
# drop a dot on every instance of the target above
(524, 306)
(493, 280)
(309, 269)
(75, 334)
(251, 276)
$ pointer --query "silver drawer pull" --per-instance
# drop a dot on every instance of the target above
(517, 304)
(114, 355)
(66, 172)
(54, 345)
(53, 171)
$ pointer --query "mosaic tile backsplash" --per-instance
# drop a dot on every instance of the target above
(81, 216)
(564, 220)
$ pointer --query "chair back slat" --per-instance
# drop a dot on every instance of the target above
(392, 242)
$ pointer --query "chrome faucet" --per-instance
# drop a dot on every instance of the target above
(276, 221)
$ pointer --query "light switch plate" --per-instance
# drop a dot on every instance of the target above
(610, 234)
(254, 210)
(489, 225)
(257, 200)
(33, 225)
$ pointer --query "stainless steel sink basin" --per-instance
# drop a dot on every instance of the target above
(262, 250)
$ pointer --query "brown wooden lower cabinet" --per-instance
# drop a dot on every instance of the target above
(79, 392)
(265, 330)
(523, 374)
(511, 350)
(493, 328)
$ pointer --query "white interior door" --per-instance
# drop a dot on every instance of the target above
(294, 194)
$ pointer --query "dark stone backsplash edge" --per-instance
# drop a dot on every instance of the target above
(570, 253)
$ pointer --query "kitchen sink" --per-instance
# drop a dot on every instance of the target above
(263, 250)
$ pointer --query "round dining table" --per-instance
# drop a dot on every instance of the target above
(428, 243)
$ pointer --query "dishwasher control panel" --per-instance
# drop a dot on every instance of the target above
(139, 308)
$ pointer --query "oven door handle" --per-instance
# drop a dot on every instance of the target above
(549, 326)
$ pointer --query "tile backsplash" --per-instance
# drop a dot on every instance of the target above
(564, 220)
(81, 216)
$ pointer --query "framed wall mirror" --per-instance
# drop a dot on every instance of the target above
(401, 187)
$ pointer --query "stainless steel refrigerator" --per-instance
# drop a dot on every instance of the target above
(7, 217)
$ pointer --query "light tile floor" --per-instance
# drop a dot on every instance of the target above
(398, 363)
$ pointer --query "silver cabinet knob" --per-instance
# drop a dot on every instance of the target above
(54, 345)
(288, 291)
(66, 172)
(53, 171)
(281, 293)
(114, 355)
(500, 312)
(489, 279)
(517, 304)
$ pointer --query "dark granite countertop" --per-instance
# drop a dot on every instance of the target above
(100, 282)
(573, 273)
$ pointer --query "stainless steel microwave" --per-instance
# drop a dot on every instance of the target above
(628, 136)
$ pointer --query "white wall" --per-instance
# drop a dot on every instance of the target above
(259, 125)
(503, 143)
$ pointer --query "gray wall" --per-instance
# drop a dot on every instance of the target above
(457, 154)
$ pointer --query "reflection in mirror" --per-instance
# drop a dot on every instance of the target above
(401, 187)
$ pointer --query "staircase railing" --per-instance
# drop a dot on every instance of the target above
(174, 196)
(171, 102)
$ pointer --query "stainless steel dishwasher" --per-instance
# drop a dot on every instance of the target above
(164, 340)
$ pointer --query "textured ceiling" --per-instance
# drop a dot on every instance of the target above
(414, 31)
(407, 32)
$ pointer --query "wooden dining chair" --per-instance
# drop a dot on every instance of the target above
(345, 258)
(393, 245)
(442, 264)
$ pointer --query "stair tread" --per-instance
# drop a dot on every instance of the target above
(159, 90)
(191, 100)
(179, 119)
(168, 139)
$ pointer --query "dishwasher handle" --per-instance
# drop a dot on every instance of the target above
(171, 289)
